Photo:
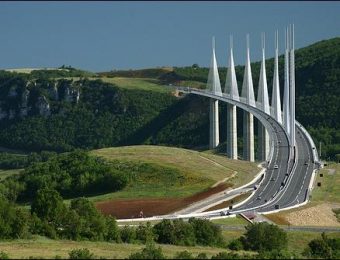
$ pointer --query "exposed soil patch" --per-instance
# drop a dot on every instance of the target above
(131, 208)
(320, 215)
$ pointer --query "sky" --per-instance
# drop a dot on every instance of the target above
(103, 36)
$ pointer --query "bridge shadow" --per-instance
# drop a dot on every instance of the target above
(165, 117)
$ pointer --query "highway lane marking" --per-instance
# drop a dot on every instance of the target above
(306, 172)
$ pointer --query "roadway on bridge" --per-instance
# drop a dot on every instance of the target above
(285, 186)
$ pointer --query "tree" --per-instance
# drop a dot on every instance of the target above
(184, 233)
(13, 221)
(323, 247)
(264, 237)
(48, 205)
(128, 234)
(93, 224)
(206, 232)
(145, 234)
(165, 232)
(112, 230)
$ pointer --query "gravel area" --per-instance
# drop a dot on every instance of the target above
(320, 215)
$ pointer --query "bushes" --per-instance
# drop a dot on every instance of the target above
(48, 205)
(71, 174)
(323, 247)
(13, 221)
(81, 220)
(264, 237)
(207, 233)
(3, 255)
(175, 232)
(236, 245)
(83, 253)
(195, 231)
(128, 234)
(145, 234)
(149, 252)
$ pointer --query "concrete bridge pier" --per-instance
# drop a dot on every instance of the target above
(263, 143)
(214, 135)
(231, 132)
(248, 137)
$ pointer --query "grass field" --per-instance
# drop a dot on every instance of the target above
(200, 170)
(137, 83)
(41, 247)
(6, 173)
(47, 248)
(148, 84)
(330, 185)
(193, 84)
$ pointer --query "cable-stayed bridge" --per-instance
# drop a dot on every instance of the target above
(285, 147)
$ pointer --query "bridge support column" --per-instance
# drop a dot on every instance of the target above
(214, 135)
(231, 132)
(263, 143)
(248, 136)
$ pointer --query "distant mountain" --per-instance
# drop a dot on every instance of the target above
(62, 110)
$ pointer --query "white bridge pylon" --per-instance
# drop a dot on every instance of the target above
(285, 117)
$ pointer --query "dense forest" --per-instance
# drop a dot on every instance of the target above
(42, 111)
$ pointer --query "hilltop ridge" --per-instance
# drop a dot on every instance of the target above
(96, 110)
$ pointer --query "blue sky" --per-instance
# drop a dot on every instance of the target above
(100, 36)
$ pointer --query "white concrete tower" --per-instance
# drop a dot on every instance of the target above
(263, 104)
(232, 90)
(248, 119)
(214, 85)
(286, 110)
(292, 86)
(276, 101)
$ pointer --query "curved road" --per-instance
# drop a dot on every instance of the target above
(286, 186)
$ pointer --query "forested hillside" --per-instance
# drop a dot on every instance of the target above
(60, 110)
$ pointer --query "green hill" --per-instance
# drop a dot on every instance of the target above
(196, 171)
(44, 112)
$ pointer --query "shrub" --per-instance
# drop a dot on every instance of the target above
(149, 252)
(184, 233)
(276, 254)
(3, 255)
(183, 255)
(83, 253)
(236, 245)
(128, 234)
(13, 221)
(226, 255)
(323, 247)
(201, 256)
(145, 234)
(112, 233)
